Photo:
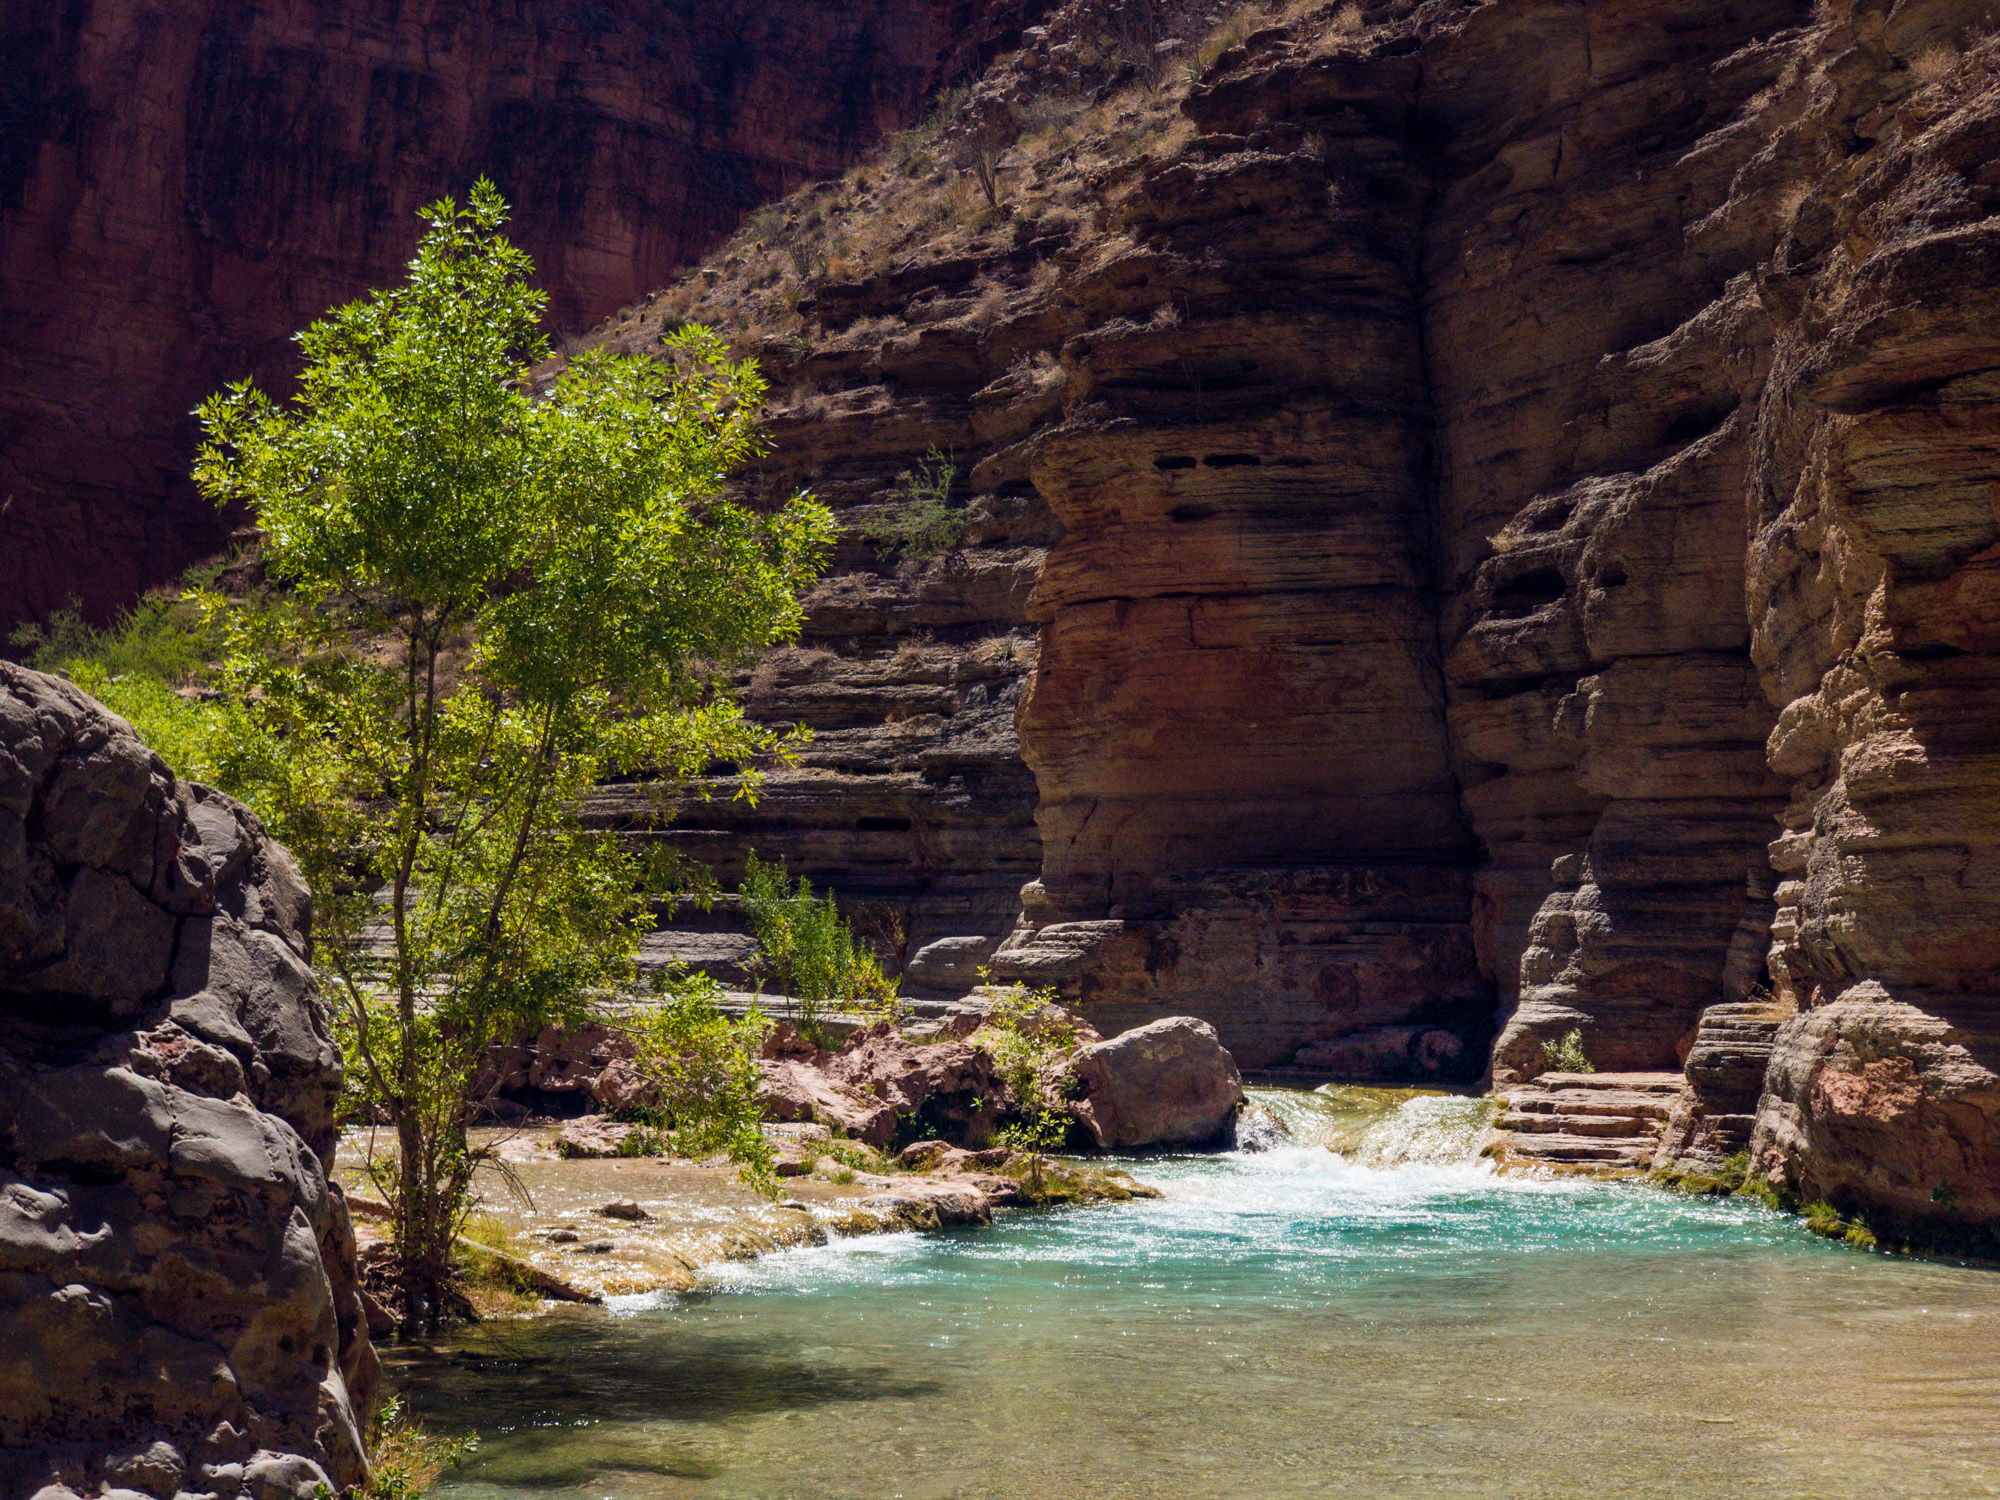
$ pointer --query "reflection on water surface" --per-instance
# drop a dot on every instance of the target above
(1286, 1323)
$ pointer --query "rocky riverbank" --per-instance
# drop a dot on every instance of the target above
(588, 1226)
(177, 1274)
(1006, 1062)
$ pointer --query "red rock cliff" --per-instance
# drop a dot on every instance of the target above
(182, 187)
(1521, 485)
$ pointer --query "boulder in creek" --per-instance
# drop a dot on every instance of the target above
(1171, 1083)
(594, 1136)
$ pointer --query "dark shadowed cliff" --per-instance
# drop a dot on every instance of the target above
(181, 187)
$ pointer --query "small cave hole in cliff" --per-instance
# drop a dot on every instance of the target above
(1930, 651)
(1553, 519)
(1190, 513)
(1169, 464)
(1231, 461)
(1529, 592)
(1699, 423)
(1614, 576)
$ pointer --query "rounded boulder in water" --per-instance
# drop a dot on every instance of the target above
(1172, 1083)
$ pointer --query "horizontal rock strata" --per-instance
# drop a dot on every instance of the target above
(1592, 1122)
(1497, 461)
(179, 1283)
(1712, 1119)
(1465, 519)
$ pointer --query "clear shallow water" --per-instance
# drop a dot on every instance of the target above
(1283, 1324)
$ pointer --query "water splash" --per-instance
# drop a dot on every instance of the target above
(1375, 1127)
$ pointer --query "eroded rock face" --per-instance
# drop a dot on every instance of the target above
(1406, 438)
(1726, 1067)
(179, 1280)
(1872, 566)
(181, 187)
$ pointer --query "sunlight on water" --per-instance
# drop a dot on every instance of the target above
(1378, 1127)
(1296, 1321)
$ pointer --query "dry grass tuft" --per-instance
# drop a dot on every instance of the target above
(1935, 64)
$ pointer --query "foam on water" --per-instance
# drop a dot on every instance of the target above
(1387, 1317)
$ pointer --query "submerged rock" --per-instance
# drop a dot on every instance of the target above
(1260, 1130)
(1168, 1084)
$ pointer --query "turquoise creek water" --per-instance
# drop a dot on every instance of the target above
(1366, 1312)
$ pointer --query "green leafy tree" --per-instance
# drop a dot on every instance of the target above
(492, 596)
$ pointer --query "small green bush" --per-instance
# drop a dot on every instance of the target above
(1024, 1037)
(922, 522)
(154, 666)
(1566, 1055)
(703, 1068)
(406, 1457)
(809, 952)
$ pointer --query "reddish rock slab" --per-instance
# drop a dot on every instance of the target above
(1168, 1084)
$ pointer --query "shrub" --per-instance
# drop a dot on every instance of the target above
(809, 952)
(1027, 1032)
(407, 1458)
(1566, 1055)
(703, 1069)
(922, 521)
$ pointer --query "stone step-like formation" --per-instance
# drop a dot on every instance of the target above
(1713, 1117)
(1586, 1120)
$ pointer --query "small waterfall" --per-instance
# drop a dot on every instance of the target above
(1371, 1127)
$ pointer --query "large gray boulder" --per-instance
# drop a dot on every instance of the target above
(1172, 1083)
(177, 1274)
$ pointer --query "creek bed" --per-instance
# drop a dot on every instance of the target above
(1387, 1318)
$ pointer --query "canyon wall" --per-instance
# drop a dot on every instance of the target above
(1456, 518)
(1517, 481)
(176, 1270)
(182, 187)
(1874, 503)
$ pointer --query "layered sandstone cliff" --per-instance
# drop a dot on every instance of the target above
(1505, 464)
(182, 187)
(178, 1282)
(1439, 487)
